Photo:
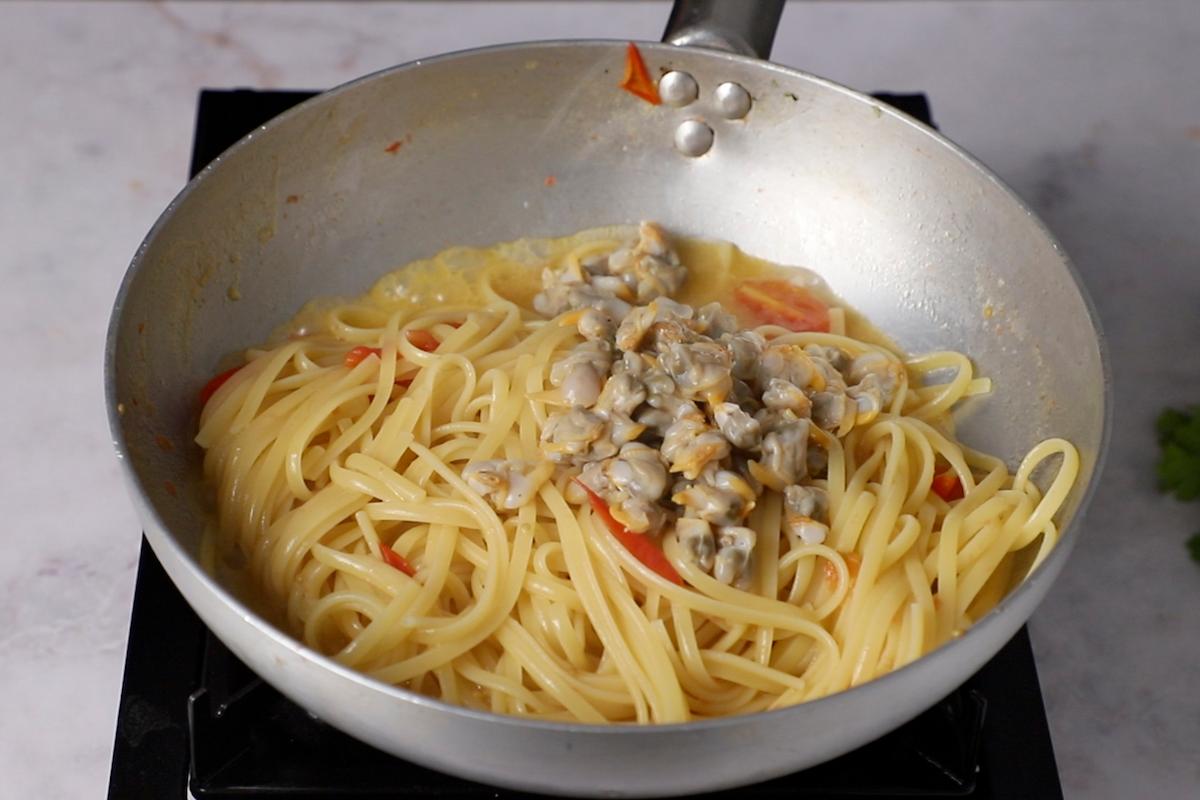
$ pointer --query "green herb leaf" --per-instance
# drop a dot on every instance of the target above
(1169, 421)
(1179, 463)
(1193, 546)
(1179, 472)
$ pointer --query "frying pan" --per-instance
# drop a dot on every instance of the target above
(904, 225)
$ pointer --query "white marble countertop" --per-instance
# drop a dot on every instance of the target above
(1090, 110)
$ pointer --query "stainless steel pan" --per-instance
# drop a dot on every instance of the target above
(903, 224)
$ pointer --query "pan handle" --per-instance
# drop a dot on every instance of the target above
(746, 26)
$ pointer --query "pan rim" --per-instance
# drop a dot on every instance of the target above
(157, 531)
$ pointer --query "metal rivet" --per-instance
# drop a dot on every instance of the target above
(732, 100)
(693, 138)
(678, 88)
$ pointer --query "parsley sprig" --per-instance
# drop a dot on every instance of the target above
(1179, 461)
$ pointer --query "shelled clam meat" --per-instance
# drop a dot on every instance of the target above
(679, 418)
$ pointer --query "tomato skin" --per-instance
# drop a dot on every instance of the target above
(396, 560)
(778, 302)
(636, 79)
(639, 545)
(423, 340)
(215, 383)
(947, 486)
(357, 355)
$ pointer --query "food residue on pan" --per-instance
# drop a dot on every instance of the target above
(233, 294)
(292, 199)
(163, 443)
(550, 180)
(170, 487)
(395, 146)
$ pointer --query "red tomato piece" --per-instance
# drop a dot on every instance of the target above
(947, 486)
(396, 560)
(217, 382)
(640, 546)
(423, 340)
(357, 355)
(778, 302)
(637, 79)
